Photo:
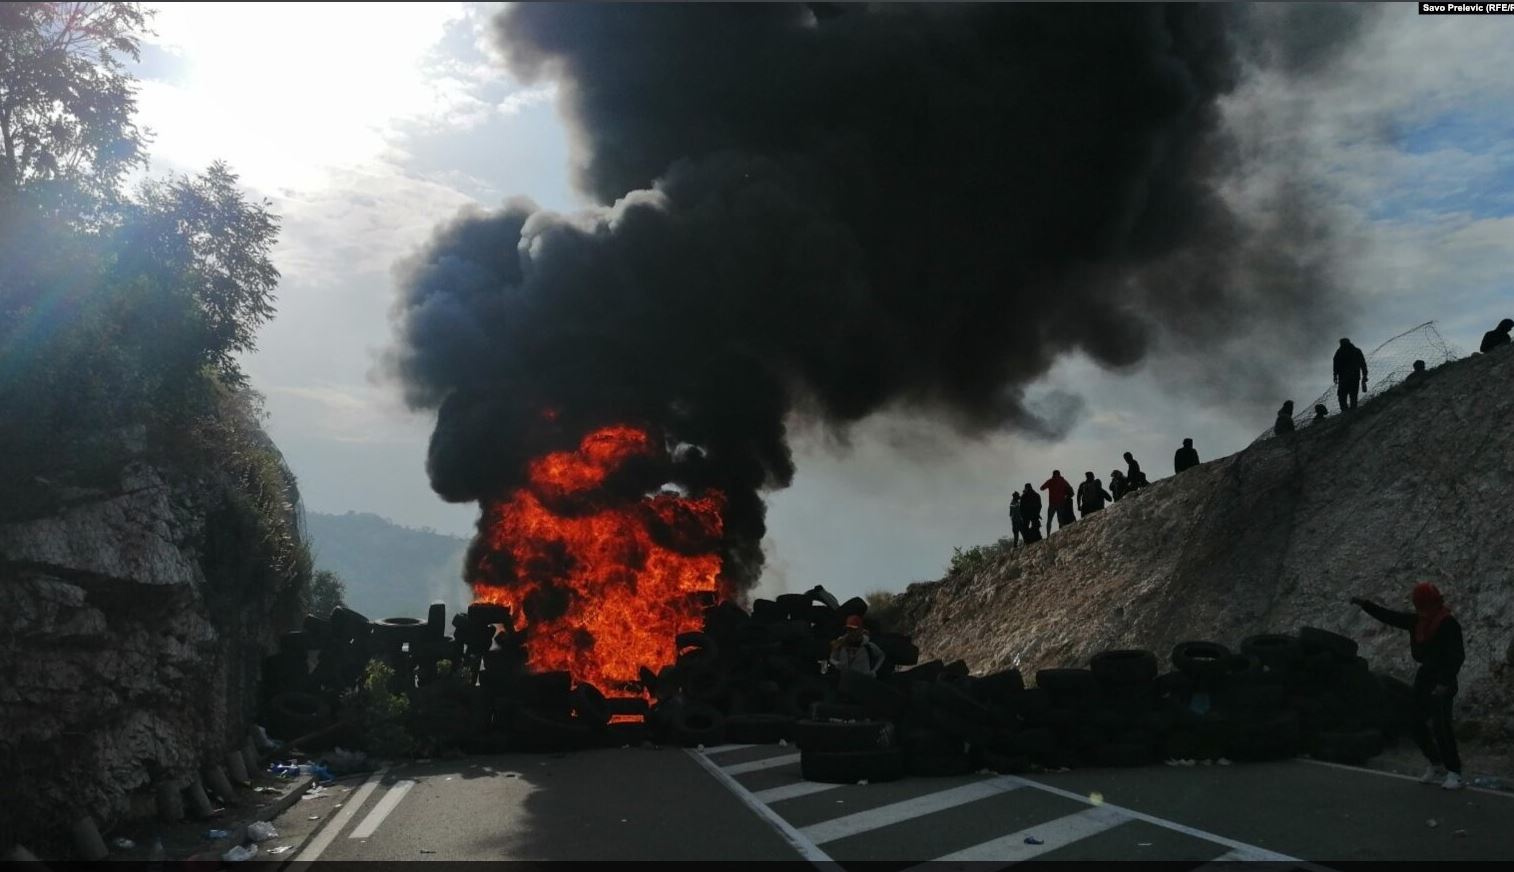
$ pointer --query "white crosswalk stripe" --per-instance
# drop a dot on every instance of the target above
(793, 791)
(759, 765)
(898, 812)
(1054, 834)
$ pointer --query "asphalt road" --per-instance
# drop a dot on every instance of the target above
(749, 803)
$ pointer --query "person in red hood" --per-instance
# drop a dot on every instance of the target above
(1058, 500)
(1435, 643)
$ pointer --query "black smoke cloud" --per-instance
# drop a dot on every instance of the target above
(833, 211)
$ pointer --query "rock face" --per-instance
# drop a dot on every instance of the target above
(1416, 485)
(133, 622)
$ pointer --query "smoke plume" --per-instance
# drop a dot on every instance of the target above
(828, 210)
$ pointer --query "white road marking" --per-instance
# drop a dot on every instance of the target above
(327, 834)
(380, 811)
(898, 812)
(1415, 778)
(1053, 834)
(793, 791)
(1253, 851)
(796, 839)
(719, 749)
(759, 765)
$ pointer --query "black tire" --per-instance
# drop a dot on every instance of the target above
(928, 671)
(590, 706)
(482, 614)
(1123, 754)
(1314, 639)
(1124, 667)
(765, 611)
(795, 606)
(940, 765)
(1031, 703)
(843, 735)
(623, 733)
(836, 711)
(536, 730)
(317, 630)
(347, 624)
(1067, 683)
(696, 648)
(394, 631)
(972, 732)
(292, 714)
(695, 723)
(878, 699)
(998, 687)
(803, 693)
(1201, 660)
(294, 642)
(668, 683)
(1006, 764)
(899, 649)
(850, 767)
(1276, 651)
(436, 621)
(955, 669)
(758, 729)
(634, 706)
(959, 702)
(919, 740)
(1033, 741)
(704, 683)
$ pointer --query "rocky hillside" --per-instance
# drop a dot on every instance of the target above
(134, 616)
(1417, 484)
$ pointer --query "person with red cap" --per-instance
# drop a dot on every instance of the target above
(853, 651)
(1435, 643)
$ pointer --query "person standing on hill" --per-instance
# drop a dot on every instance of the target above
(1116, 485)
(1091, 494)
(1030, 513)
(1284, 419)
(1016, 522)
(1350, 373)
(1320, 412)
(1058, 500)
(1186, 457)
(1435, 643)
(1135, 479)
(1498, 337)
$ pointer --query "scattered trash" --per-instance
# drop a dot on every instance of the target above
(338, 805)
(863, 781)
(240, 853)
(1223, 762)
(343, 762)
(1096, 798)
(1461, 832)
(1032, 840)
(261, 831)
(783, 743)
(123, 843)
(216, 834)
(314, 817)
(1432, 823)
(1491, 782)
(427, 851)
(266, 790)
(316, 792)
(448, 778)
(280, 849)
(1143, 844)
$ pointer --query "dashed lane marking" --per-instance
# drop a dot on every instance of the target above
(371, 823)
(324, 838)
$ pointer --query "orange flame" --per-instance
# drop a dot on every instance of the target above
(623, 595)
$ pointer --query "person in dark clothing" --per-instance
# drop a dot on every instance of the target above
(1497, 337)
(1091, 495)
(1350, 373)
(1284, 420)
(1186, 457)
(1116, 485)
(1435, 643)
(1030, 511)
(1016, 522)
(1058, 500)
(1135, 479)
(1320, 413)
(1417, 373)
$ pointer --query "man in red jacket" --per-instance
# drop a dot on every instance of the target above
(1058, 499)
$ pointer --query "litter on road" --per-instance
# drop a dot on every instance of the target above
(216, 834)
(240, 853)
(123, 843)
(261, 831)
(280, 849)
(1032, 840)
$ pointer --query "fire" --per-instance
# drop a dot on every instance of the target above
(600, 593)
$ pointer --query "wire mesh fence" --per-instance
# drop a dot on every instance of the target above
(1388, 365)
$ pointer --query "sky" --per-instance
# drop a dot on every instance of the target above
(372, 124)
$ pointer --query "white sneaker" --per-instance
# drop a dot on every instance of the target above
(1452, 782)
(1433, 774)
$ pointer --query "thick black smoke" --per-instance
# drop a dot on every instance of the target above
(831, 211)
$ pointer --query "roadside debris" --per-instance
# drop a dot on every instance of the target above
(1032, 840)
(1432, 823)
(216, 834)
(240, 853)
(122, 844)
(280, 849)
(261, 831)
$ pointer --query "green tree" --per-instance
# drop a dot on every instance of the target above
(327, 591)
(67, 139)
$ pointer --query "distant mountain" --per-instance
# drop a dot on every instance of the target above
(390, 571)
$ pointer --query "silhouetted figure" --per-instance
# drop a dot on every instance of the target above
(1016, 522)
(1186, 457)
(1030, 514)
(1284, 420)
(1497, 337)
(1091, 495)
(1320, 413)
(1116, 485)
(1350, 373)
(1135, 479)
(1058, 500)
(1418, 372)
(1435, 643)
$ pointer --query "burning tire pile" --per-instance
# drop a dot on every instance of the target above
(756, 678)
